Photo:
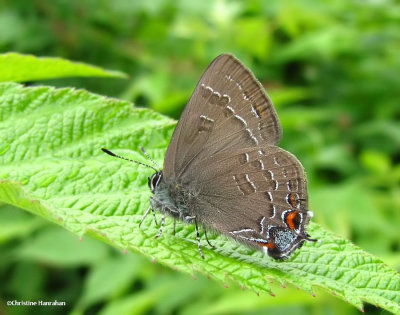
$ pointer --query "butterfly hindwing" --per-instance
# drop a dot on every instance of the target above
(262, 193)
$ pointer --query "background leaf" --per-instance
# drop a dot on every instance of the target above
(21, 68)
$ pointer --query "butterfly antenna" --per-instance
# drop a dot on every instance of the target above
(123, 158)
(146, 155)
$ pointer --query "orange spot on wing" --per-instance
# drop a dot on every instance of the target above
(290, 219)
(260, 110)
(292, 200)
(269, 245)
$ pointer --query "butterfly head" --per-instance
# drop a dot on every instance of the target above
(154, 180)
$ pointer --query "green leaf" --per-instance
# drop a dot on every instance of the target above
(375, 161)
(21, 68)
(51, 165)
(110, 278)
(54, 246)
(15, 223)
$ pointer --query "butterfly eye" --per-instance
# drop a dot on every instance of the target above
(154, 180)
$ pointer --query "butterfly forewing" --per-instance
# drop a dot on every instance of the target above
(228, 110)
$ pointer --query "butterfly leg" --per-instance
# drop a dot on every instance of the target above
(208, 241)
(145, 215)
(174, 226)
(154, 216)
(198, 239)
(162, 224)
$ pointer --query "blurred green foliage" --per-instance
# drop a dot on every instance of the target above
(331, 68)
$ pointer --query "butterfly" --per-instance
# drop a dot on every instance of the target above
(223, 170)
